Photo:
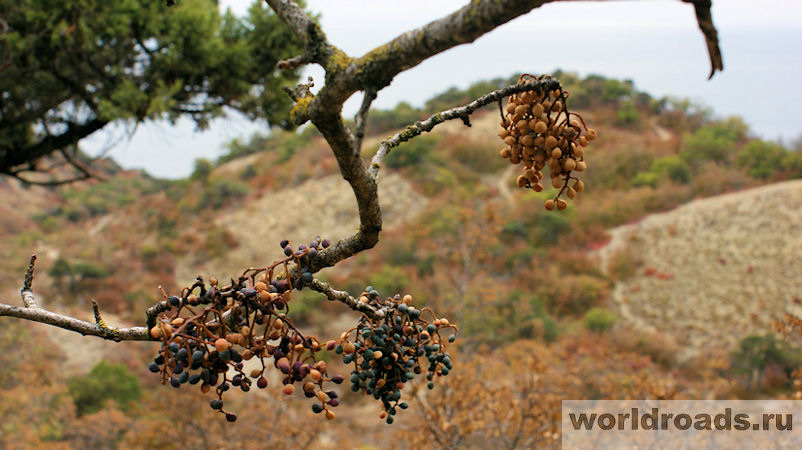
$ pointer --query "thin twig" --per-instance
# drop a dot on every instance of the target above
(33, 312)
(36, 314)
(361, 118)
(98, 320)
(541, 84)
(344, 297)
(26, 292)
(294, 62)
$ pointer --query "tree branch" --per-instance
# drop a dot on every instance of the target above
(344, 297)
(26, 293)
(360, 120)
(705, 20)
(545, 83)
(10, 158)
(37, 314)
(318, 49)
(33, 312)
(379, 66)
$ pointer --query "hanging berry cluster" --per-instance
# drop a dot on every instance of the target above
(209, 331)
(538, 131)
(389, 352)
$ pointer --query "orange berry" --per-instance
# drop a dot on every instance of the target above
(549, 204)
(221, 345)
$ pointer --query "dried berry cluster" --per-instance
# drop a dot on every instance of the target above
(209, 332)
(389, 352)
(539, 131)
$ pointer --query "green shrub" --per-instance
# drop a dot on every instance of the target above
(248, 172)
(106, 381)
(755, 353)
(86, 270)
(600, 319)
(673, 167)
(646, 179)
(203, 169)
(762, 159)
(549, 227)
(417, 152)
(627, 114)
(390, 280)
(573, 294)
(220, 191)
(382, 121)
(713, 142)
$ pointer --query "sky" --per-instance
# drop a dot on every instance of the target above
(656, 43)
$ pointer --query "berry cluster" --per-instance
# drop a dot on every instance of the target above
(389, 352)
(538, 131)
(209, 332)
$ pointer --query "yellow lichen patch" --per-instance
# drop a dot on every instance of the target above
(338, 61)
(300, 112)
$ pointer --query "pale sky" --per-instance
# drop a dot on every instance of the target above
(654, 42)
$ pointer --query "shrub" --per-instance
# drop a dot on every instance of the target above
(203, 169)
(573, 294)
(382, 121)
(762, 159)
(599, 319)
(646, 179)
(86, 270)
(627, 114)
(390, 279)
(219, 191)
(673, 167)
(418, 152)
(713, 142)
(755, 353)
(106, 381)
(622, 264)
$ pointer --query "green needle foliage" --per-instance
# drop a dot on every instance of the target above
(69, 68)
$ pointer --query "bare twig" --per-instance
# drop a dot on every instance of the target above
(26, 292)
(361, 118)
(33, 312)
(344, 297)
(544, 83)
(96, 311)
(295, 62)
(705, 20)
(79, 326)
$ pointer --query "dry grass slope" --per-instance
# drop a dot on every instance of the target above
(323, 206)
(715, 269)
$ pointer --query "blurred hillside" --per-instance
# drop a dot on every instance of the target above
(541, 291)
